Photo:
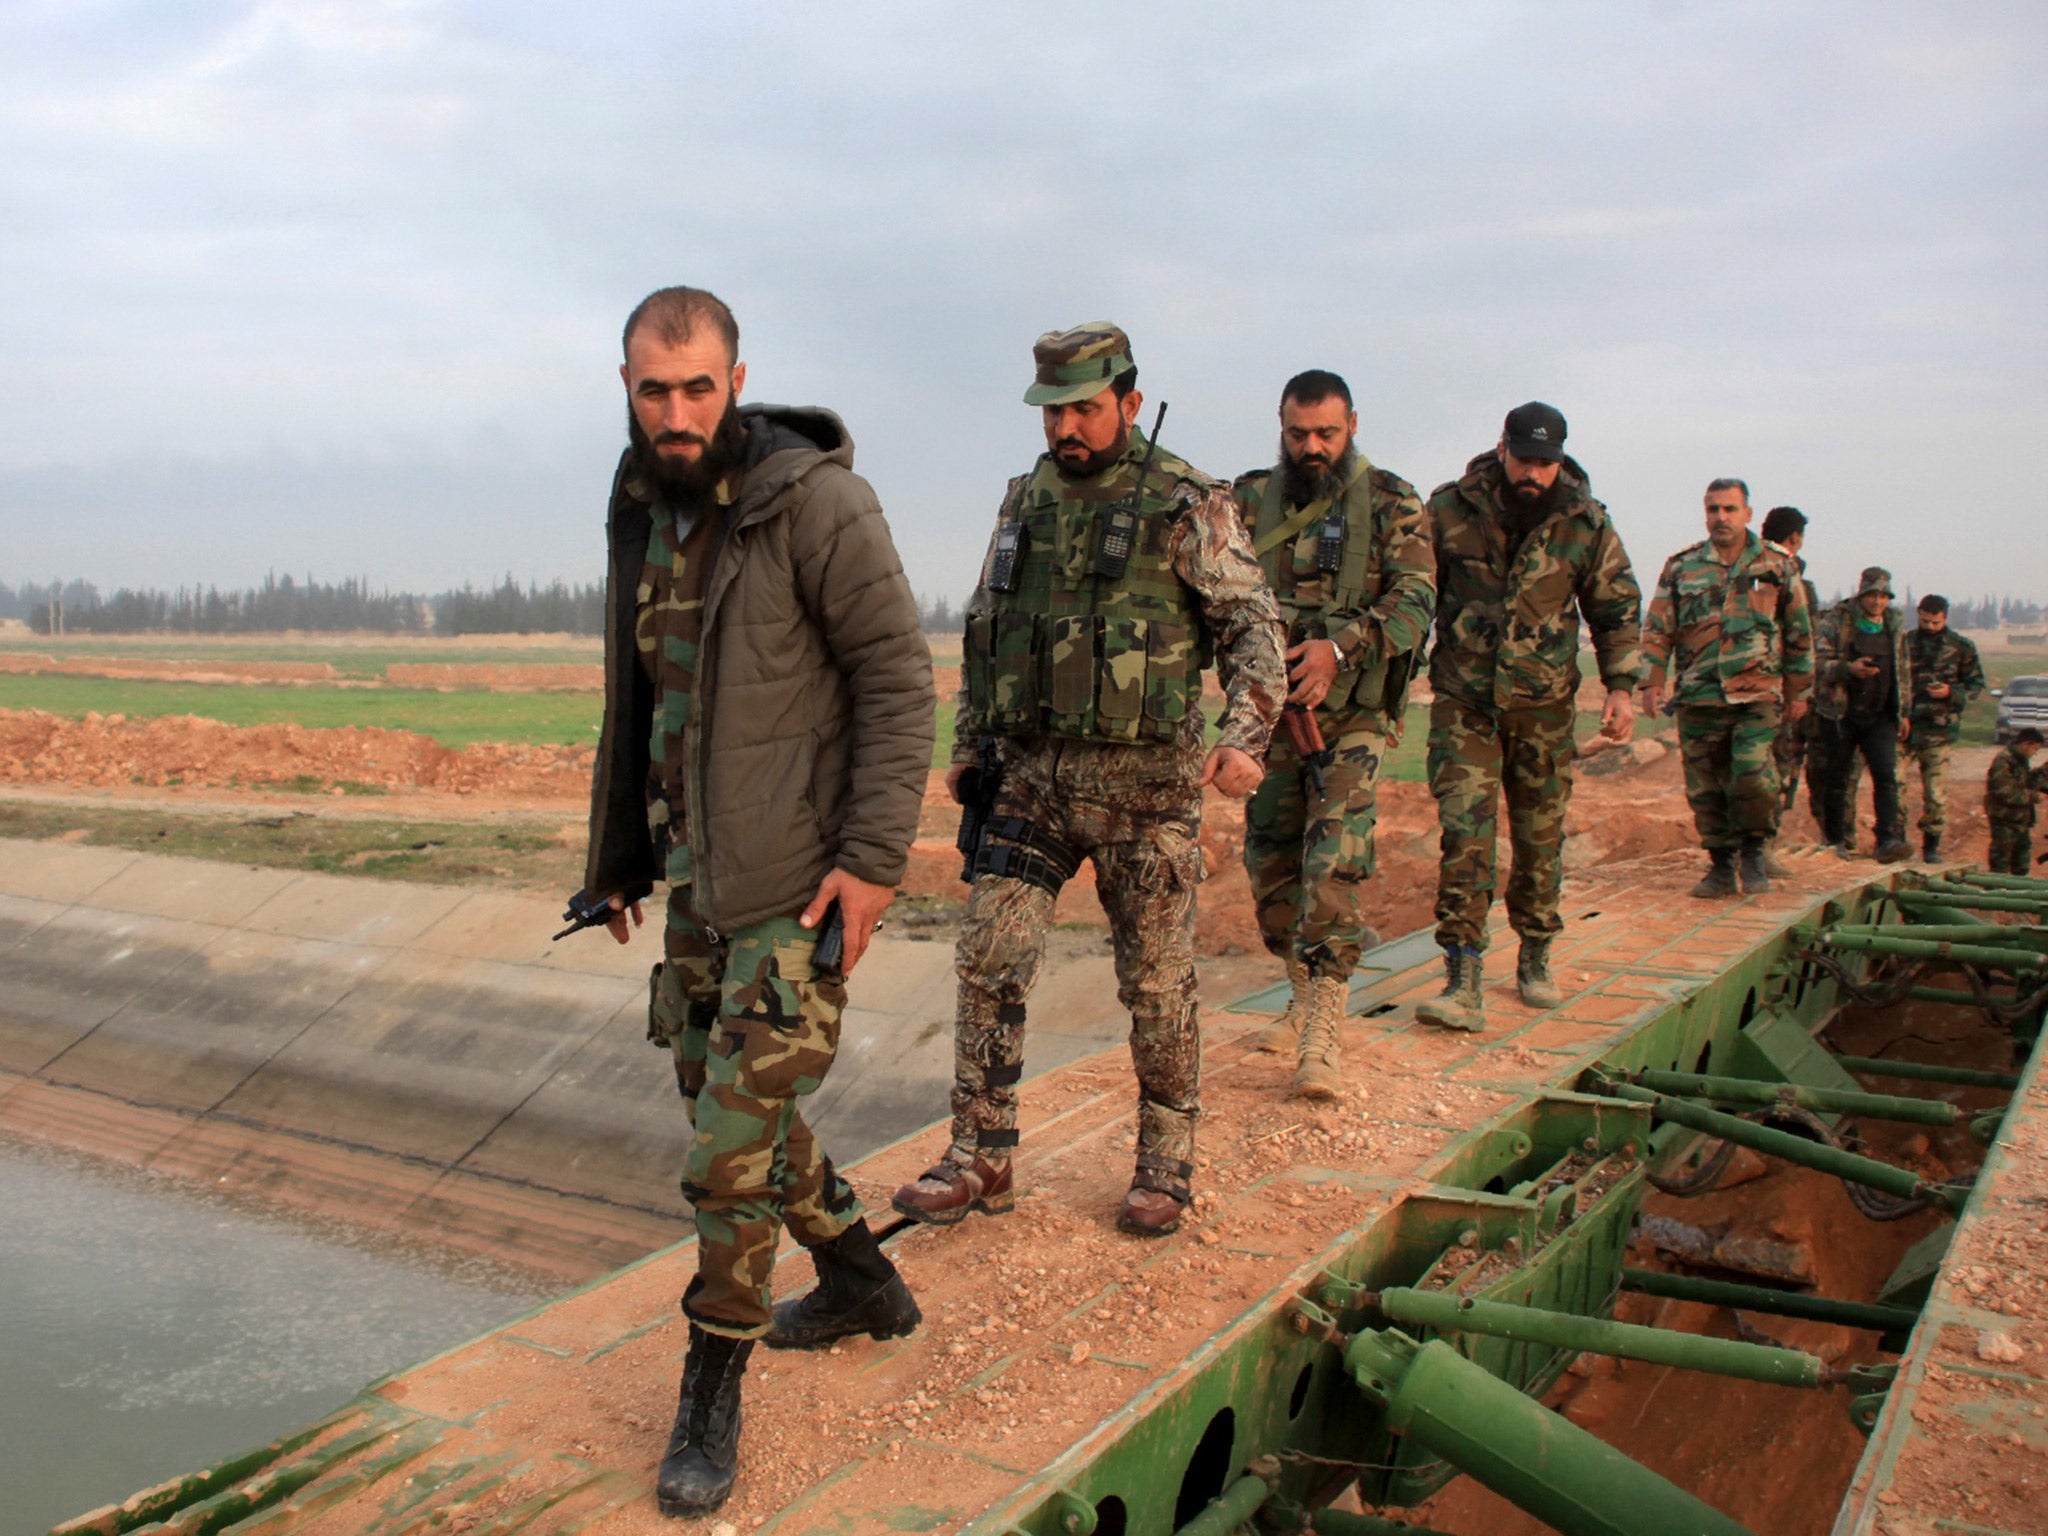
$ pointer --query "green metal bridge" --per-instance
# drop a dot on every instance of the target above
(1456, 1263)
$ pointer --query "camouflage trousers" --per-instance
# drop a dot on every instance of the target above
(1135, 813)
(1308, 853)
(2012, 845)
(1731, 772)
(1478, 757)
(1929, 751)
(1820, 791)
(1790, 751)
(752, 1029)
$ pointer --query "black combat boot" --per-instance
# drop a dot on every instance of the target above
(858, 1291)
(1930, 848)
(1750, 866)
(704, 1451)
(1720, 876)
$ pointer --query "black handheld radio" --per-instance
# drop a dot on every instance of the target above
(1116, 535)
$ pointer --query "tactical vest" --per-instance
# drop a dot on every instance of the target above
(1064, 652)
(1317, 603)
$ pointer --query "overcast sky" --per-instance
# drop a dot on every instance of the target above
(337, 287)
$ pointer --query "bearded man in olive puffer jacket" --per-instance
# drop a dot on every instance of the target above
(767, 735)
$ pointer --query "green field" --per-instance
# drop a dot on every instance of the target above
(453, 719)
(460, 718)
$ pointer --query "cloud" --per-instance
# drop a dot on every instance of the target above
(384, 250)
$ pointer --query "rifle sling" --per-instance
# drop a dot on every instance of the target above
(1280, 533)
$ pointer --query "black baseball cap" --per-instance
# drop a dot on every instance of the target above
(1535, 431)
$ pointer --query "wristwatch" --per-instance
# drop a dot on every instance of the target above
(1341, 657)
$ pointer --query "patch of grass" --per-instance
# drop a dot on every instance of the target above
(452, 719)
(519, 856)
(349, 660)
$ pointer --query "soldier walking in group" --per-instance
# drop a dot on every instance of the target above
(1793, 751)
(1116, 573)
(1730, 618)
(1522, 550)
(2009, 792)
(1345, 546)
(1947, 677)
(1863, 688)
(754, 597)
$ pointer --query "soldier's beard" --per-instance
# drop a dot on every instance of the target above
(1312, 478)
(685, 480)
(1090, 461)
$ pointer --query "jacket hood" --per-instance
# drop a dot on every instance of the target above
(781, 444)
(785, 443)
(1484, 474)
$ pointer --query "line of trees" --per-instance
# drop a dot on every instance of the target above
(1996, 613)
(280, 602)
(1982, 613)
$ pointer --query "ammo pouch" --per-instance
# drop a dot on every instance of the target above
(1093, 676)
(1011, 848)
(666, 1009)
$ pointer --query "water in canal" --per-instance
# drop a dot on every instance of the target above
(147, 1331)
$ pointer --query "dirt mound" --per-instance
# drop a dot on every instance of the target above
(161, 669)
(1625, 804)
(111, 750)
(498, 676)
(1624, 815)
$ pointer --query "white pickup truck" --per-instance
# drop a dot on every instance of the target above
(2022, 702)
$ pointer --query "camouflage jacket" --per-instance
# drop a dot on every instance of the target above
(1834, 645)
(2010, 788)
(1207, 549)
(1507, 620)
(1376, 606)
(1943, 658)
(1733, 634)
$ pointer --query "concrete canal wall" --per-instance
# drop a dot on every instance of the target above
(420, 1058)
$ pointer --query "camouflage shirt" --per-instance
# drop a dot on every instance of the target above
(1507, 612)
(1734, 634)
(668, 630)
(2010, 788)
(1207, 550)
(1378, 604)
(1943, 658)
(1834, 647)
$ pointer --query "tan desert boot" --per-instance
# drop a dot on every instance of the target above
(1318, 1061)
(1284, 1033)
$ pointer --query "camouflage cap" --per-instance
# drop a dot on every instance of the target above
(1075, 364)
(1875, 579)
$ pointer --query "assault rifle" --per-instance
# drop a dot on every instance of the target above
(1299, 721)
(976, 792)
